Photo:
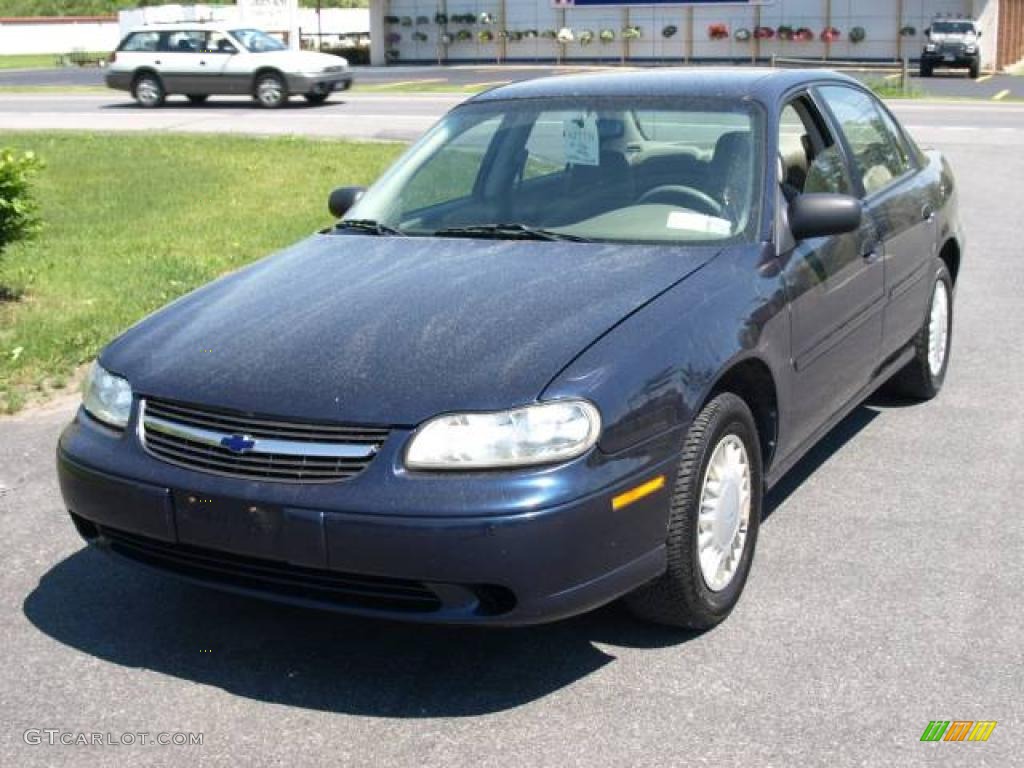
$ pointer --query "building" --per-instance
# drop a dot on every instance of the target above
(417, 31)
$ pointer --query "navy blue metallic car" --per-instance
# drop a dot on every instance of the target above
(555, 356)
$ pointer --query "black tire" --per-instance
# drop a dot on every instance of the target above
(681, 596)
(270, 90)
(317, 98)
(975, 72)
(198, 98)
(917, 379)
(148, 90)
(926, 70)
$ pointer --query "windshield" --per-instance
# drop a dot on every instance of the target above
(610, 169)
(952, 28)
(255, 41)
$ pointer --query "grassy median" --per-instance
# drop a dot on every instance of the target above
(133, 221)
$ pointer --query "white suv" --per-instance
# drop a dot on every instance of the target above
(198, 60)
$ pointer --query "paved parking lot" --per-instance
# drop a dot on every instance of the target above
(885, 594)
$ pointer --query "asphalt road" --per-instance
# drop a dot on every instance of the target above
(945, 83)
(885, 594)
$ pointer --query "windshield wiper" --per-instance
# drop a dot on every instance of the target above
(370, 227)
(508, 231)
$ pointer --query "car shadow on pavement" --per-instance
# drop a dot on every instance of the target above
(239, 104)
(318, 660)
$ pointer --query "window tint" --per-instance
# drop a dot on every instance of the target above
(142, 41)
(877, 154)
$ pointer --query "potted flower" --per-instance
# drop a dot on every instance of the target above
(607, 35)
(586, 37)
(530, 34)
(441, 19)
(565, 36)
(445, 39)
(786, 32)
(803, 35)
(632, 33)
(393, 38)
(764, 33)
(742, 35)
(422, 19)
(830, 35)
(669, 31)
(549, 34)
(858, 35)
(463, 35)
(419, 37)
(485, 36)
(718, 31)
(407, 21)
(486, 19)
(391, 19)
(908, 31)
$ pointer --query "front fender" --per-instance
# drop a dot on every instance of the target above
(653, 372)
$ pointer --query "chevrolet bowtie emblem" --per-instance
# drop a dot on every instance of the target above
(238, 443)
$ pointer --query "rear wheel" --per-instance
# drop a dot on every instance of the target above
(148, 91)
(316, 98)
(924, 375)
(198, 98)
(271, 91)
(713, 521)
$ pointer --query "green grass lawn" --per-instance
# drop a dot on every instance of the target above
(28, 61)
(131, 222)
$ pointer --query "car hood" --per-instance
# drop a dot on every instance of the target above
(392, 331)
(301, 61)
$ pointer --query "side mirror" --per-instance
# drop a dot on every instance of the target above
(823, 215)
(342, 199)
(927, 31)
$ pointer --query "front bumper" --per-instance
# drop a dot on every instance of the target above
(936, 59)
(322, 84)
(520, 567)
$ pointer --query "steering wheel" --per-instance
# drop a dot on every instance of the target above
(687, 197)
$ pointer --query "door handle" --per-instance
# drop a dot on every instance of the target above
(202, 63)
(928, 214)
(157, 62)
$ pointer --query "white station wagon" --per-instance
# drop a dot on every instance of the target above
(199, 60)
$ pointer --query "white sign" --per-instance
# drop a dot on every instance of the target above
(582, 139)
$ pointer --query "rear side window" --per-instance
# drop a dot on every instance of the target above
(186, 41)
(878, 154)
(141, 41)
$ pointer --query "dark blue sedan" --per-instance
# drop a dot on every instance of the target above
(553, 357)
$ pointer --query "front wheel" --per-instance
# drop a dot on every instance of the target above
(714, 518)
(926, 70)
(924, 375)
(975, 71)
(271, 91)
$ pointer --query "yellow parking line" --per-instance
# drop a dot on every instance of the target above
(411, 82)
(984, 78)
(1001, 95)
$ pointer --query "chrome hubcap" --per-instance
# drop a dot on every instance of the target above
(147, 92)
(724, 517)
(938, 329)
(269, 91)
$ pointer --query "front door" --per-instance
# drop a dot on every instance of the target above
(191, 67)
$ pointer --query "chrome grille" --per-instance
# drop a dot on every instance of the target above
(233, 444)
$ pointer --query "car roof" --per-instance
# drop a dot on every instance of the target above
(736, 83)
(177, 26)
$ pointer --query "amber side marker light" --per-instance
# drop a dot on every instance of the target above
(641, 491)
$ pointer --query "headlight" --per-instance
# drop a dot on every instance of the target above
(971, 49)
(930, 47)
(537, 434)
(107, 397)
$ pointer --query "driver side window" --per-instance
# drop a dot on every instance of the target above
(810, 160)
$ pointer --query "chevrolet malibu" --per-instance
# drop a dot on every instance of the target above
(555, 356)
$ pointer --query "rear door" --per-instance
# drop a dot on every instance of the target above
(190, 66)
(897, 198)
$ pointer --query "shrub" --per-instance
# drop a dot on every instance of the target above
(18, 210)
